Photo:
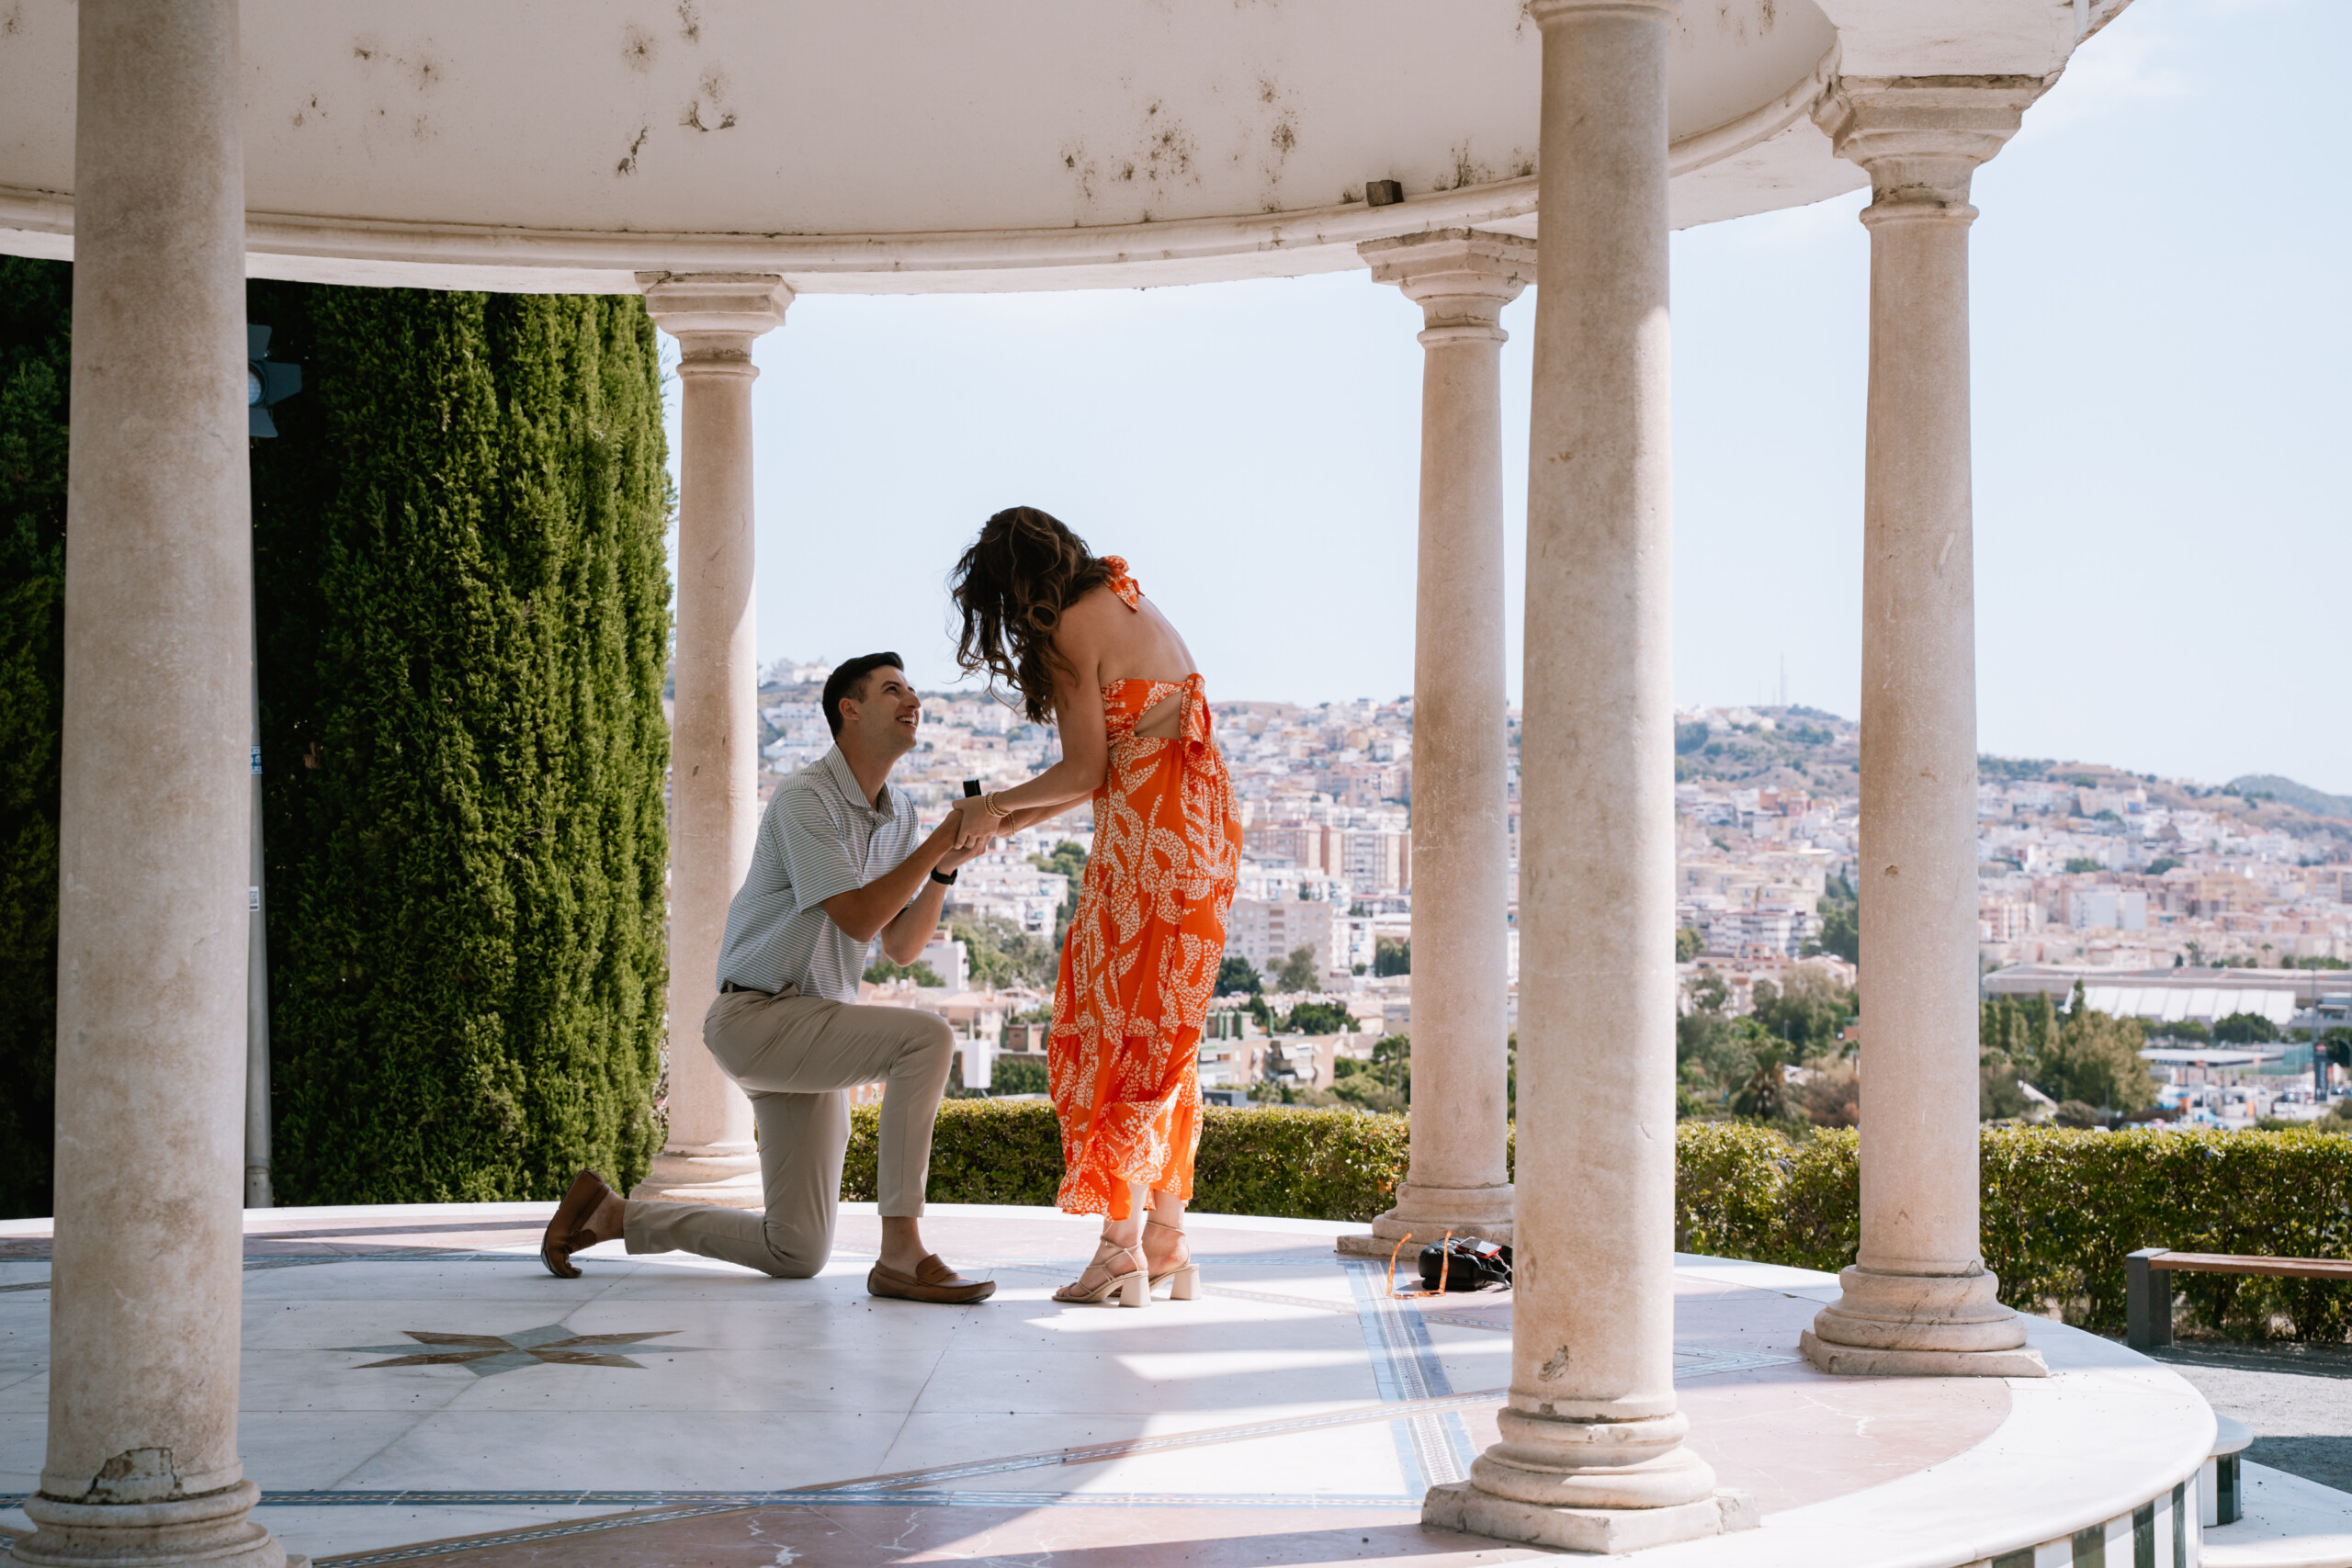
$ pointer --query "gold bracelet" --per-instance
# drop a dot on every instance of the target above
(988, 803)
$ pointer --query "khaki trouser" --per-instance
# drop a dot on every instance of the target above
(796, 1057)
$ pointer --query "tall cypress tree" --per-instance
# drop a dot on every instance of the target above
(465, 617)
(35, 305)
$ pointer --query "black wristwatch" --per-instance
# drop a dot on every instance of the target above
(947, 881)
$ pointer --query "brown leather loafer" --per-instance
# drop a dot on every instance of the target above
(932, 1282)
(568, 1231)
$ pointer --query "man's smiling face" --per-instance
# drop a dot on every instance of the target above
(884, 715)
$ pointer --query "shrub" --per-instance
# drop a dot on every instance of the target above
(35, 301)
(1297, 1163)
(2061, 1208)
(463, 617)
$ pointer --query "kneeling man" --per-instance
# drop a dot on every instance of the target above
(839, 861)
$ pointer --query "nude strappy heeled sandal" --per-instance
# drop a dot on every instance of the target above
(1133, 1288)
(1183, 1278)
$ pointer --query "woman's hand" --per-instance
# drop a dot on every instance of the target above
(975, 824)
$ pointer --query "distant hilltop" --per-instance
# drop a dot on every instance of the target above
(1806, 749)
(2287, 792)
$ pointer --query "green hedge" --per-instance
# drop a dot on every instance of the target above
(2060, 1208)
(1299, 1164)
(464, 619)
(35, 334)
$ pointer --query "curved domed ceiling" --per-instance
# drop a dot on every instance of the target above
(870, 138)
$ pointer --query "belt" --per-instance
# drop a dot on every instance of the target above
(727, 986)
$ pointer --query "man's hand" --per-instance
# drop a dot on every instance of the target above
(954, 858)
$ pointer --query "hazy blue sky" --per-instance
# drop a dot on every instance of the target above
(2160, 352)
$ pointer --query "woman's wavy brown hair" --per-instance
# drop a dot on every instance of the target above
(1012, 585)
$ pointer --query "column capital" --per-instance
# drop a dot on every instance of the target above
(1922, 137)
(1461, 279)
(1546, 12)
(714, 315)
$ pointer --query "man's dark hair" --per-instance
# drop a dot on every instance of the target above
(848, 679)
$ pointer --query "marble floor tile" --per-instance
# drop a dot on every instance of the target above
(339, 1529)
(686, 1377)
(983, 1381)
(1359, 1460)
(24, 1439)
(997, 1414)
(302, 1450)
(556, 1449)
(1068, 1536)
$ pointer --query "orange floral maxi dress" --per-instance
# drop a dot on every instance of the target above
(1141, 962)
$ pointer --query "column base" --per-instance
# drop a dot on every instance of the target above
(1460, 1505)
(1847, 1361)
(215, 1529)
(730, 1179)
(1923, 1325)
(1426, 1213)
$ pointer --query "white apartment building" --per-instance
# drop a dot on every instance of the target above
(2106, 908)
(806, 736)
(1267, 931)
(1374, 859)
(1004, 884)
(1777, 930)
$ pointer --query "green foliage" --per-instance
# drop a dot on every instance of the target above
(1737, 1062)
(1392, 956)
(36, 299)
(2077, 1056)
(2061, 1208)
(1319, 1018)
(464, 628)
(1742, 1190)
(1000, 953)
(2095, 1059)
(881, 972)
(1068, 857)
(1841, 922)
(1236, 976)
(1997, 1095)
(1688, 944)
(2078, 864)
(2014, 767)
(1689, 738)
(2160, 864)
(1301, 1164)
(2244, 1029)
(1807, 1011)
(1017, 1075)
(1298, 972)
(2314, 963)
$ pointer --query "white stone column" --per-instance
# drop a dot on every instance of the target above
(1919, 1299)
(1459, 1180)
(1591, 1455)
(715, 727)
(146, 1283)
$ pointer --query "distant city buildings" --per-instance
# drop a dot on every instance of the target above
(2097, 870)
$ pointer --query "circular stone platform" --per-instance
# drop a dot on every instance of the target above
(411, 1375)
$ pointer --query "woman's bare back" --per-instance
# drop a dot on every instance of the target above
(1108, 641)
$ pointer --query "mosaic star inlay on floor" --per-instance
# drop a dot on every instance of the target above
(487, 1355)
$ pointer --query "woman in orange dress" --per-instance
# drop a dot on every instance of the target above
(1075, 639)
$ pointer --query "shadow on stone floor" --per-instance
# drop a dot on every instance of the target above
(1038, 1537)
(2293, 1397)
